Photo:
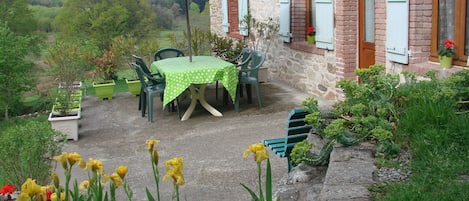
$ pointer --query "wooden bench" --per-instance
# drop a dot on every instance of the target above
(297, 131)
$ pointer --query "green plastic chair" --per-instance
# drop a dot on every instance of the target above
(139, 61)
(249, 76)
(164, 54)
(149, 91)
(241, 61)
(167, 53)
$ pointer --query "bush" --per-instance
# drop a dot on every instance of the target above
(45, 16)
(26, 150)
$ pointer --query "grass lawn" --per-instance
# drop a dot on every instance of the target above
(437, 139)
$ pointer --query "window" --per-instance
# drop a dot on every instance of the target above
(297, 15)
(310, 14)
(233, 12)
(451, 20)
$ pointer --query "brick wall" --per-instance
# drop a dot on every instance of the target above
(346, 34)
(380, 32)
(420, 25)
(233, 15)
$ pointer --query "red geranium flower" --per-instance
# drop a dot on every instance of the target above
(7, 189)
(447, 48)
(311, 31)
(48, 194)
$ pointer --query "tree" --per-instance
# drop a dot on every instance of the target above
(165, 17)
(201, 4)
(18, 15)
(21, 20)
(102, 20)
(15, 71)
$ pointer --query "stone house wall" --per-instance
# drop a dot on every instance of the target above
(316, 71)
(312, 73)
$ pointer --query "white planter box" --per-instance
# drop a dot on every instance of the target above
(75, 85)
(66, 125)
(263, 74)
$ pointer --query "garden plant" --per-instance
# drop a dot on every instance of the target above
(26, 147)
(94, 187)
(427, 119)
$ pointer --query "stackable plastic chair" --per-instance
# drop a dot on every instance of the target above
(250, 76)
(167, 53)
(139, 60)
(241, 61)
(149, 91)
(164, 54)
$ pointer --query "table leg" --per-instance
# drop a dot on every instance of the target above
(199, 95)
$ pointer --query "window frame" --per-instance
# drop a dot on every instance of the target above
(460, 58)
(298, 29)
(233, 20)
(308, 15)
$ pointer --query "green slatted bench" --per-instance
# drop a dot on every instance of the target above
(297, 131)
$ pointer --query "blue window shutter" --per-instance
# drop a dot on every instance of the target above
(324, 24)
(284, 30)
(397, 30)
(242, 12)
(224, 18)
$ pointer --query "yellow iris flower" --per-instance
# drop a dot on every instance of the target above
(53, 197)
(73, 158)
(95, 166)
(174, 169)
(116, 179)
(55, 179)
(122, 171)
(151, 143)
(23, 197)
(260, 152)
(84, 185)
(155, 157)
(31, 188)
(62, 158)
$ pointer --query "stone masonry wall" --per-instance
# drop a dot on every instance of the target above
(311, 73)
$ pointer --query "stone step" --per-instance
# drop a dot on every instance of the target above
(349, 173)
(347, 177)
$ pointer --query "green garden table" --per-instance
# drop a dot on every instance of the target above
(180, 74)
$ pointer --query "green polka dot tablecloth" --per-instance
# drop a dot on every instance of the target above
(180, 73)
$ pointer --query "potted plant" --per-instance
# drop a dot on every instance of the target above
(311, 35)
(446, 53)
(261, 35)
(104, 75)
(132, 81)
(68, 64)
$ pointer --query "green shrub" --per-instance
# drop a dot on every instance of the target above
(45, 16)
(26, 150)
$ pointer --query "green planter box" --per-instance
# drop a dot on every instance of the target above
(133, 86)
(74, 108)
(104, 90)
